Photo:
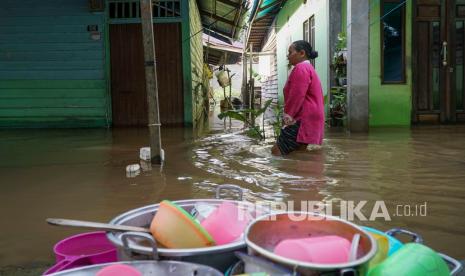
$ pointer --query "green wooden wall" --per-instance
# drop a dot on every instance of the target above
(199, 86)
(52, 73)
(390, 104)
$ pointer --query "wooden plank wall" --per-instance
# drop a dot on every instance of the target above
(200, 98)
(270, 87)
(52, 73)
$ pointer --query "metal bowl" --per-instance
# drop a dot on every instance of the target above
(132, 246)
(155, 268)
(263, 234)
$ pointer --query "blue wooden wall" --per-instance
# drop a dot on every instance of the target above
(52, 73)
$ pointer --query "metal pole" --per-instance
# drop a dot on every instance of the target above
(245, 94)
(151, 81)
(230, 106)
(252, 87)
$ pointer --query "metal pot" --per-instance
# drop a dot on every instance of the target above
(136, 246)
(155, 268)
(263, 234)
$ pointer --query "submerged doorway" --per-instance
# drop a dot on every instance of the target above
(439, 39)
(128, 95)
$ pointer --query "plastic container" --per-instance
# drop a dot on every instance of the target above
(82, 250)
(329, 249)
(173, 227)
(202, 210)
(220, 257)
(413, 259)
(226, 224)
(383, 249)
(265, 232)
(133, 168)
(144, 154)
(394, 244)
(120, 270)
(155, 268)
(222, 77)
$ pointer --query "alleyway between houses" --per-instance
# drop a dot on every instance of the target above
(80, 174)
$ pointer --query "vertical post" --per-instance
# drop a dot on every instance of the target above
(358, 65)
(151, 81)
(245, 95)
(230, 106)
(335, 19)
(230, 87)
(252, 86)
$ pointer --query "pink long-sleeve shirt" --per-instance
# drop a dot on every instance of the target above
(303, 101)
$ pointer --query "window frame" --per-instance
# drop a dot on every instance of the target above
(403, 79)
(309, 33)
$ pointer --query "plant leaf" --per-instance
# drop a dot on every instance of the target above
(234, 114)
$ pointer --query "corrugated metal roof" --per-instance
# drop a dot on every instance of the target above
(261, 20)
(220, 52)
(223, 17)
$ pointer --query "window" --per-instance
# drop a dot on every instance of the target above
(309, 34)
(393, 41)
(124, 9)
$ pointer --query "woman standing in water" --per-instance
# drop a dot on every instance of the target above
(304, 116)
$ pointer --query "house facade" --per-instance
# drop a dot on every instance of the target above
(303, 21)
(415, 60)
(405, 58)
(79, 63)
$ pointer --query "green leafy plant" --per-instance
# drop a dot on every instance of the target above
(339, 63)
(278, 122)
(246, 115)
(337, 110)
(256, 76)
(341, 41)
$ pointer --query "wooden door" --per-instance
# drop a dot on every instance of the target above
(438, 66)
(129, 97)
(456, 97)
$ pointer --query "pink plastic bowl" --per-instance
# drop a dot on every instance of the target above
(226, 224)
(81, 250)
(324, 250)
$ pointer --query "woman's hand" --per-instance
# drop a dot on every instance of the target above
(288, 120)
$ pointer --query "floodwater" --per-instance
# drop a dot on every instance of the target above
(80, 174)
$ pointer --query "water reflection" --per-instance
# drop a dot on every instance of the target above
(81, 174)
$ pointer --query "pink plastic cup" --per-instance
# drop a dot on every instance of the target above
(81, 250)
(323, 250)
(119, 270)
(226, 224)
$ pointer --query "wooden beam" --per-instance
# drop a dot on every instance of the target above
(226, 35)
(230, 3)
(217, 18)
(261, 24)
(257, 35)
(258, 31)
(264, 17)
(151, 84)
(236, 21)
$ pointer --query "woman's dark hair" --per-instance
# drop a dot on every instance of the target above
(300, 45)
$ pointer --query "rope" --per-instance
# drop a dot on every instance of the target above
(391, 11)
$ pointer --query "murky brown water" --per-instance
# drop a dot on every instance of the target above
(80, 174)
